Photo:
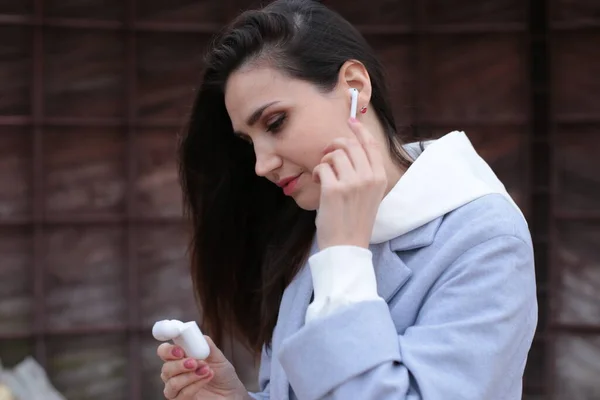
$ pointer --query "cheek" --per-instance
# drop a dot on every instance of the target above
(304, 157)
(312, 141)
(310, 155)
(307, 139)
(304, 148)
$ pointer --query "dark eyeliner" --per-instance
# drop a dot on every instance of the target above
(276, 125)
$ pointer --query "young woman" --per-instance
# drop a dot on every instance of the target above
(358, 266)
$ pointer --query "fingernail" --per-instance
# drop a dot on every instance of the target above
(189, 364)
(353, 120)
(202, 371)
(177, 352)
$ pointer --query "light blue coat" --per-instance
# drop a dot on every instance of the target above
(458, 321)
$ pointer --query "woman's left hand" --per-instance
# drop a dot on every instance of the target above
(353, 183)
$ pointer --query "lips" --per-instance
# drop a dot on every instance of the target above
(288, 184)
(285, 181)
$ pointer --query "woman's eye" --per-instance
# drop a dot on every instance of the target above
(276, 125)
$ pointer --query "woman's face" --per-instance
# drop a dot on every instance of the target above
(289, 123)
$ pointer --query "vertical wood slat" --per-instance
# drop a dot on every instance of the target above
(133, 301)
(539, 134)
(39, 323)
(229, 10)
(419, 57)
(553, 297)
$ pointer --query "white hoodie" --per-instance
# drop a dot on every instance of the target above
(445, 176)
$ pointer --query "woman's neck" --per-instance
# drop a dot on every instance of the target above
(393, 171)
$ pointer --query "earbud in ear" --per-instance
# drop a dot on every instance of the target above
(353, 101)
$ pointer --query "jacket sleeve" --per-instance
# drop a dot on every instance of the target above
(264, 377)
(470, 340)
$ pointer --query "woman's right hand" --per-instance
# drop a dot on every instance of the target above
(190, 379)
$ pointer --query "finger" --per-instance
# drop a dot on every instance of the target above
(178, 367)
(342, 166)
(370, 145)
(169, 352)
(356, 153)
(323, 174)
(189, 391)
(177, 385)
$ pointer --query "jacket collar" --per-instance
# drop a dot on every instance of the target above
(417, 238)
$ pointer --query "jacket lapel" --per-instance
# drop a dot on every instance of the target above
(417, 238)
(390, 271)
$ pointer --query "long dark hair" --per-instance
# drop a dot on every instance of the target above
(249, 240)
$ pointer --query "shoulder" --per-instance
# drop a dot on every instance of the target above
(481, 221)
(483, 245)
(482, 251)
(474, 264)
(489, 235)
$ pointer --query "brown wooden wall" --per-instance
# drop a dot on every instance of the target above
(92, 94)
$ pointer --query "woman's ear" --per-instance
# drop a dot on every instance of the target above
(353, 74)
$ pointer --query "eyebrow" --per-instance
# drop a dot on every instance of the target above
(255, 116)
(258, 113)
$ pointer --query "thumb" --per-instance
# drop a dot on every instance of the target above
(216, 356)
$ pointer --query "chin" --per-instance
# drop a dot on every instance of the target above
(307, 202)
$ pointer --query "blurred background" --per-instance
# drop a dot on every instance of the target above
(94, 92)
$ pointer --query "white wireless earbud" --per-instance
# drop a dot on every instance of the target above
(354, 102)
(187, 335)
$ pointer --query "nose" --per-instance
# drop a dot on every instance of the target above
(266, 161)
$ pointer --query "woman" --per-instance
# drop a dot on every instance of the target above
(361, 267)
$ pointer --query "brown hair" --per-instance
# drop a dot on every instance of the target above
(249, 240)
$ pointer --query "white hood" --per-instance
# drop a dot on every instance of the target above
(446, 175)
